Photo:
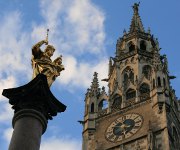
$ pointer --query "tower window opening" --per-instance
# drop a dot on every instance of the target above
(130, 94)
(144, 92)
(92, 107)
(125, 79)
(131, 47)
(159, 82)
(153, 83)
(103, 105)
(164, 82)
(131, 76)
(143, 45)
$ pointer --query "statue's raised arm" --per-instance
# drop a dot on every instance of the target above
(36, 50)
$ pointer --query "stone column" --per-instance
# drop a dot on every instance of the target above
(33, 105)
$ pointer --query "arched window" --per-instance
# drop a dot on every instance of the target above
(164, 82)
(117, 101)
(131, 47)
(147, 71)
(153, 83)
(128, 74)
(125, 79)
(130, 94)
(103, 105)
(144, 91)
(92, 107)
(143, 45)
(159, 82)
(131, 76)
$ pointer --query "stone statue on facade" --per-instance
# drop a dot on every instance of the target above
(42, 63)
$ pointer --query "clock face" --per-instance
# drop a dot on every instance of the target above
(124, 127)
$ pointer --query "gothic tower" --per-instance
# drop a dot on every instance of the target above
(141, 110)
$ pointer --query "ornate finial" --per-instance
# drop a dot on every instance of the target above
(136, 24)
(135, 7)
(95, 84)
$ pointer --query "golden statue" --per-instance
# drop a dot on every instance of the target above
(42, 63)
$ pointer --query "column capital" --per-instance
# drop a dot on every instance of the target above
(35, 95)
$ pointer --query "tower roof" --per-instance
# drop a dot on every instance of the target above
(136, 24)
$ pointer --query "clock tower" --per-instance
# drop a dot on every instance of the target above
(140, 110)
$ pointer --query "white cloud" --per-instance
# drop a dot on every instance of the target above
(6, 113)
(8, 134)
(64, 144)
(8, 82)
(79, 74)
(75, 26)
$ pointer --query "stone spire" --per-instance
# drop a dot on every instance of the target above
(136, 24)
(95, 85)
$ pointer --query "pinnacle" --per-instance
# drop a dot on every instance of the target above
(136, 24)
(95, 83)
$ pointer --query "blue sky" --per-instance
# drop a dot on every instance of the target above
(85, 33)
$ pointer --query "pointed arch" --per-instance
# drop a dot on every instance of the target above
(144, 91)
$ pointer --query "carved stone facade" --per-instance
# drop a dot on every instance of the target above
(141, 110)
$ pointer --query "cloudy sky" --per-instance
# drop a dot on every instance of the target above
(85, 33)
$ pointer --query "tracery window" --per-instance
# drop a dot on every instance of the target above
(130, 94)
(147, 71)
(128, 76)
(143, 45)
(144, 91)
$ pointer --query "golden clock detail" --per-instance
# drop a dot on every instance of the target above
(124, 127)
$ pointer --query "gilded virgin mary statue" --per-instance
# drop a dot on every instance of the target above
(42, 63)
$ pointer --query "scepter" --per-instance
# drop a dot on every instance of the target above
(47, 36)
